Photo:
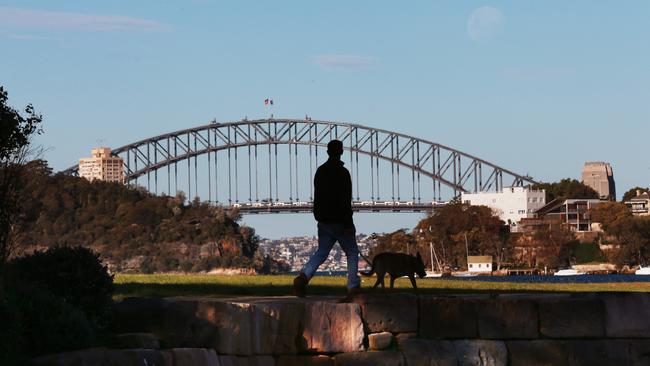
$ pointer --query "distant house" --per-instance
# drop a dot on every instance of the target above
(639, 205)
(479, 263)
(572, 213)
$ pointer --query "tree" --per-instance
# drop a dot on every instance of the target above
(631, 193)
(566, 188)
(16, 131)
(633, 234)
(607, 213)
(455, 226)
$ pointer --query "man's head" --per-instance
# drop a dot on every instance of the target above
(335, 149)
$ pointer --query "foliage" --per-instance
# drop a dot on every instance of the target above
(36, 322)
(456, 229)
(553, 246)
(631, 193)
(124, 224)
(74, 275)
(15, 133)
(608, 213)
(399, 241)
(566, 188)
(633, 235)
(586, 252)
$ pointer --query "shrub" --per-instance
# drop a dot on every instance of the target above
(73, 274)
(35, 322)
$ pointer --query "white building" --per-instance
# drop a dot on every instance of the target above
(511, 205)
(102, 166)
(479, 263)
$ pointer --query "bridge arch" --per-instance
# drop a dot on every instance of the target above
(441, 165)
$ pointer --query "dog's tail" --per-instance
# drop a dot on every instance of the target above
(372, 267)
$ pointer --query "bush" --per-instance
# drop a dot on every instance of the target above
(50, 324)
(73, 274)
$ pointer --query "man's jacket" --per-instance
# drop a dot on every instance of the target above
(333, 194)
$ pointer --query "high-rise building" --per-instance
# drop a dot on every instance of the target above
(102, 166)
(600, 176)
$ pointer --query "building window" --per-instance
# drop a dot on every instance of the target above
(479, 265)
(471, 265)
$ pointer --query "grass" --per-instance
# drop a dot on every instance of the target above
(168, 285)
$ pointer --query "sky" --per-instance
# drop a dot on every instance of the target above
(538, 87)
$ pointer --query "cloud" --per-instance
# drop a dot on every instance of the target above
(342, 62)
(484, 23)
(29, 18)
(28, 37)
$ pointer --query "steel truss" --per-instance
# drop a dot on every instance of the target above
(435, 164)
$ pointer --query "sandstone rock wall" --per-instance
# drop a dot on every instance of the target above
(378, 329)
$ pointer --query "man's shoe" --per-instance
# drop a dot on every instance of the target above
(352, 292)
(300, 285)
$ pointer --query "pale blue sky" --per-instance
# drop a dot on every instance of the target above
(538, 87)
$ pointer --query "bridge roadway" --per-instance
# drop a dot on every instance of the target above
(364, 206)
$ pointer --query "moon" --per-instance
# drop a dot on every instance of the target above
(485, 23)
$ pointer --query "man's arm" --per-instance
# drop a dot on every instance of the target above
(349, 223)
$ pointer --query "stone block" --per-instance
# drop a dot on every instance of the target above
(246, 361)
(135, 340)
(572, 317)
(332, 328)
(275, 326)
(628, 315)
(396, 313)
(597, 352)
(379, 341)
(371, 358)
(137, 357)
(426, 352)
(508, 318)
(403, 336)
(537, 353)
(448, 317)
(294, 360)
(481, 352)
(86, 357)
(194, 357)
(133, 315)
(639, 352)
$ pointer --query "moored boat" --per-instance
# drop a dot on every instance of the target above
(568, 272)
(642, 271)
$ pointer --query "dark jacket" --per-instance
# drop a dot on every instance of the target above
(333, 194)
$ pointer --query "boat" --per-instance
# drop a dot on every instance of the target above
(465, 274)
(568, 272)
(431, 274)
(642, 271)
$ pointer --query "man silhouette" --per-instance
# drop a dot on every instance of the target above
(333, 211)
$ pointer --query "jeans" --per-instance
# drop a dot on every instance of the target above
(328, 234)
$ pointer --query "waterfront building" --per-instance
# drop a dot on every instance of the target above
(600, 176)
(102, 166)
(479, 263)
(639, 205)
(572, 213)
(511, 204)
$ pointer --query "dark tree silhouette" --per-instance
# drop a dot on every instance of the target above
(16, 131)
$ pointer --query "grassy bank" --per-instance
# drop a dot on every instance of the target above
(165, 285)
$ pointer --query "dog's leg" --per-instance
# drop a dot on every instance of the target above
(412, 278)
(377, 282)
(392, 281)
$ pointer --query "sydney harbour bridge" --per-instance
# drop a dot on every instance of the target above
(267, 166)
